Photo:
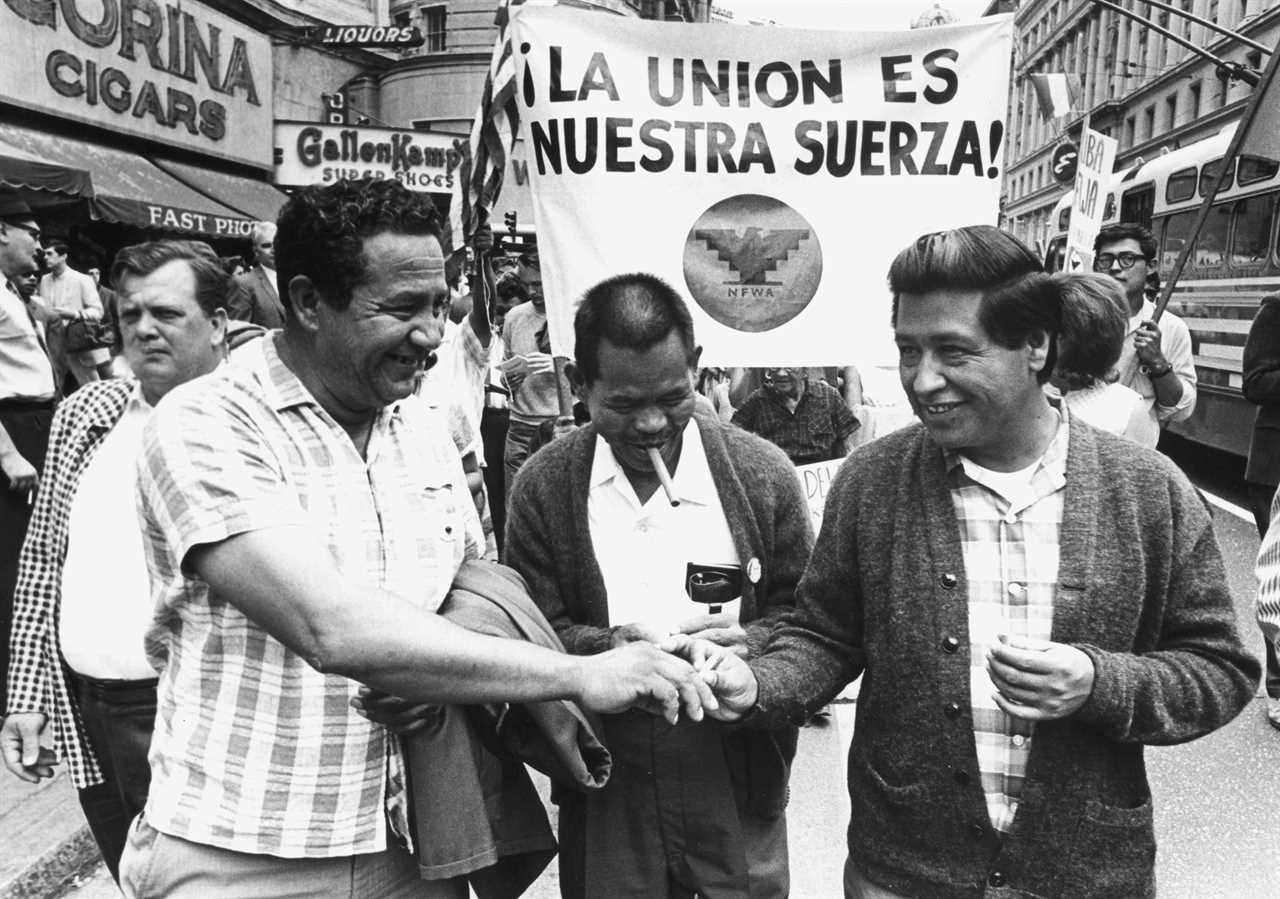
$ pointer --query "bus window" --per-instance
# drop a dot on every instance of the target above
(1181, 186)
(1109, 208)
(1254, 169)
(1137, 205)
(1211, 245)
(1176, 230)
(1251, 234)
(1056, 257)
(1209, 174)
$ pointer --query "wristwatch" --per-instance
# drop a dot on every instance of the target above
(1154, 373)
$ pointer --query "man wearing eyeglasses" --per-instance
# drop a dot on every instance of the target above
(1156, 358)
(26, 400)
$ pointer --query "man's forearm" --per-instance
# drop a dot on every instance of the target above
(371, 636)
(1168, 388)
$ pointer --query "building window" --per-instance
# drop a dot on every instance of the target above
(1129, 136)
(401, 20)
(1186, 23)
(1171, 110)
(433, 22)
(1212, 12)
(1148, 123)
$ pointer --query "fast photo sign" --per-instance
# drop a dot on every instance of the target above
(769, 174)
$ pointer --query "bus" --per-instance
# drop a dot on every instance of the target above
(1234, 263)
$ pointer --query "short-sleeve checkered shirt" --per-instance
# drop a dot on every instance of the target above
(1011, 564)
(255, 751)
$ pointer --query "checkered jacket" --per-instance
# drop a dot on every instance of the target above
(38, 679)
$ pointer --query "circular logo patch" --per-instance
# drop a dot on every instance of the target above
(752, 262)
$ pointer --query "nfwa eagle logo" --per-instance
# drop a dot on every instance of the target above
(752, 262)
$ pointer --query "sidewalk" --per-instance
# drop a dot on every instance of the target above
(44, 841)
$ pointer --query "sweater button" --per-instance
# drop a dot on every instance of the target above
(951, 710)
(950, 644)
(996, 879)
(948, 581)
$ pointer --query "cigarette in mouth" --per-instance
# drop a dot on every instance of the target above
(660, 468)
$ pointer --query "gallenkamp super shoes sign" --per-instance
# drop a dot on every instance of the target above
(770, 174)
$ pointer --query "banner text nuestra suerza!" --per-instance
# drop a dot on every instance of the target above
(840, 147)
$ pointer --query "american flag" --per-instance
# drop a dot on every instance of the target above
(497, 120)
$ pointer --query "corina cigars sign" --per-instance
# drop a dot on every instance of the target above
(179, 74)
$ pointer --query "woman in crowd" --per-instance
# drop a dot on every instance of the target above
(1094, 322)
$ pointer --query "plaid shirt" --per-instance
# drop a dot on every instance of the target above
(1268, 572)
(254, 750)
(807, 435)
(1011, 565)
(37, 678)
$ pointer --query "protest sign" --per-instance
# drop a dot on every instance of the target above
(815, 481)
(1094, 165)
(769, 174)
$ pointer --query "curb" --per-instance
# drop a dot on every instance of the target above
(50, 873)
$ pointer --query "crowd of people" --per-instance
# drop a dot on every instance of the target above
(257, 612)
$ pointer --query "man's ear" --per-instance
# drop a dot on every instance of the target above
(694, 358)
(219, 322)
(1038, 349)
(305, 300)
(576, 382)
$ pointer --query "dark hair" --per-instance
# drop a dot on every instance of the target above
(1018, 298)
(212, 280)
(510, 289)
(58, 245)
(635, 311)
(1126, 231)
(322, 230)
(1095, 318)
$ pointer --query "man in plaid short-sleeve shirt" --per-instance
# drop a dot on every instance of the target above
(302, 523)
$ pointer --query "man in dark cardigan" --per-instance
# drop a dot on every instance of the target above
(1029, 600)
(694, 807)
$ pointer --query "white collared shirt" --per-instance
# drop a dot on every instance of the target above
(106, 590)
(1175, 344)
(24, 366)
(642, 551)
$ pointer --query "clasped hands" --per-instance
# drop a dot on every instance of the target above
(699, 671)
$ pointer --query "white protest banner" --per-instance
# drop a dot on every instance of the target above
(1093, 174)
(815, 481)
(769, 174)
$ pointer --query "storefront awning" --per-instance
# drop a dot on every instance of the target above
(29, 172)
(129, 189)
(255, 199)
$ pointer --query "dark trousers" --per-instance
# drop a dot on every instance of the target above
(493, 433)
(1260, 496)
(668, 824)
(118, 717)
(28, 427)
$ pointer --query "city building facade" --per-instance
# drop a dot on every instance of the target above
(1144, 89)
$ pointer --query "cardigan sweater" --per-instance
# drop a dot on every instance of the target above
(38, 680)
(1141, 590)
(548, 540)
